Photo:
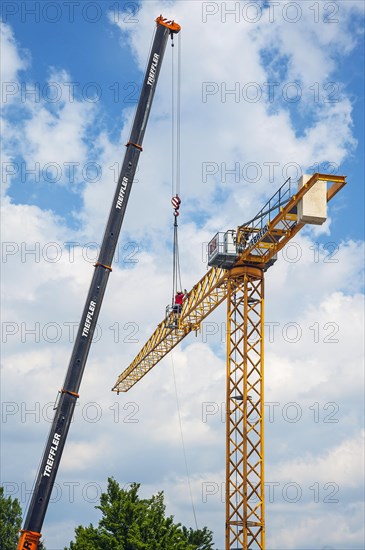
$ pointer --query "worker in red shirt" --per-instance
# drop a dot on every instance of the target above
(179, 298)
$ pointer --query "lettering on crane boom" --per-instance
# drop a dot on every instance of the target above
(52, 454)
(152, 73)
(89, 317)
(257, 236)
(28, 545)
(120, 198)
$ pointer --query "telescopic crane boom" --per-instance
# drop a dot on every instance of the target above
(31, 533)
(239, 260)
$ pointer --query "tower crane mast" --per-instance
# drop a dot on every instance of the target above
(239, 260)
(31, 533)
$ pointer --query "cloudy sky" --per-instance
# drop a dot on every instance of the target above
(269, 90)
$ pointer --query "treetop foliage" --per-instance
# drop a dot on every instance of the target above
(131, 523)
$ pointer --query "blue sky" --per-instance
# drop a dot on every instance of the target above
(86, 74)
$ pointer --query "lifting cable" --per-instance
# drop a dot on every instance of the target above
(175, 166)
(176, 277)
(183, 444)
(176, 201)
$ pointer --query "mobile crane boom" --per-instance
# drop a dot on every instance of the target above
(31, 533)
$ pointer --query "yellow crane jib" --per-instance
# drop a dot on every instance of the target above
(238, 260)
(275, 225)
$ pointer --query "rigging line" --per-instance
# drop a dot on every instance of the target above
(183, 442)
(175, 162)
(174, 263)
(178, 115)
(178, 268)
(173, 267)
(178, 273)
(176, 278)
(172, 121)
(177, 261)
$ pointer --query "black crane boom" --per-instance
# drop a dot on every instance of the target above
(30, 534)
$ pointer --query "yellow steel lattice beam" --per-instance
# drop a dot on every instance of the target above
(245, 410)
(243, 286)
(275, 230)
(211, 290)
(204, 297)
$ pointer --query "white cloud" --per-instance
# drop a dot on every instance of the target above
(326, 136)
(341, 463)
(13, 60)
(46, 130)
(327, 531)
(312, 290)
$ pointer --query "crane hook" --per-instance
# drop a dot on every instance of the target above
(176, 201)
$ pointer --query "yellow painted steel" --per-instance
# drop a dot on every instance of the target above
(203, 298)
(211, 290)
(243, 286)
(245, 410)
(278, 231)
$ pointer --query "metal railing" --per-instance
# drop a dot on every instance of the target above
(271, 208)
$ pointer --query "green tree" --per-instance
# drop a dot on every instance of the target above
(10, 521)
(199, 539)
(131, 523)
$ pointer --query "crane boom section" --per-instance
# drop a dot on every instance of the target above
(204, 297)
(68, 396)
(277, 223)
(259, 241)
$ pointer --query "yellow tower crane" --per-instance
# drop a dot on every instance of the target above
(239, 259)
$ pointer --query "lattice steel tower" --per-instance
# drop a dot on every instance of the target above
(239, 259)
